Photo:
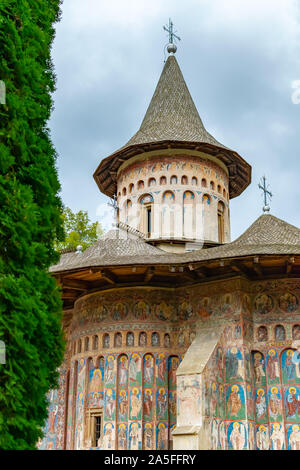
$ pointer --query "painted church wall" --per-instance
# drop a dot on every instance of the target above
(249, 386)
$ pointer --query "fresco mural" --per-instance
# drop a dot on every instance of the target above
(80, 404)
(135, 437)
(234, 365)
(96, 384)
(148, 436)
(235, 402)
(277, 436)
(249, 390)
(236, 436)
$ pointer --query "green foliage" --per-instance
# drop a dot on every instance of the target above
(78, 230)
(30, 222)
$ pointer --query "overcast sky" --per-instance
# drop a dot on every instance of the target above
(240, 60)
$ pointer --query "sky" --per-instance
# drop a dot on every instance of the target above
(240, 60)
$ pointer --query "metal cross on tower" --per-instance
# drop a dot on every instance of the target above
(267, 194)
(172, 48)
(169, 30)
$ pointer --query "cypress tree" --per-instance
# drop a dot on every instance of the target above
(30, 221)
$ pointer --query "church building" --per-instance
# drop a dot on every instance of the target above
(178, 337)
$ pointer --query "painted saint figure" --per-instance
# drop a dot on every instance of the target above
(135, 404)
(148, 403)
(277, 437)
(294, 439)
(272, 366)
(134, 435)
(123, 371)
(133, 368)
(237, 438)
(275, 403)
(292, 403)
(148, 436)
(148, 369)
(260, 404)
(234, 401)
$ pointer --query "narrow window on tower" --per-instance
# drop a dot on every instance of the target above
(149, 218)
(221, 222)
(146, 223)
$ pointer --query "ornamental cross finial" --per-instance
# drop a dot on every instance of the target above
(172, 34)
(172, 48)
(267, 194)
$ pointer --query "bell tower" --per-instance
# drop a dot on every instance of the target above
(173, 180)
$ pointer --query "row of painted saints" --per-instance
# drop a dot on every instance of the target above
(261, 438)
(131, 437)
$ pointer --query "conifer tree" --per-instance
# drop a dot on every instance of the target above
(30, 221)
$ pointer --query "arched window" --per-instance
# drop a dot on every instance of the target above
(152, 182)
(131, 187)
(167, 214)
(206, 217)
(212, 185)
(219, 188)
(262, 334)
(130, 339)
(140, 185)
(128, 210)
(194, 181)
(86, 343)
(204, 183)
(106, 341)
(184, 179)
(224, 193)
(296, 332)
(119, 194)
(118, 340)
(163, 180)
(143, 339)
(155, 339)
(279, 333)
(188, 214)
(146, 202)
(95, 342)
(79, 346)
(124, 191)
(167, 341)
(173, 179)
(221, 211)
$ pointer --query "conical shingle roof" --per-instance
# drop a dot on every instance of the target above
(172, 114)
(172, 121)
